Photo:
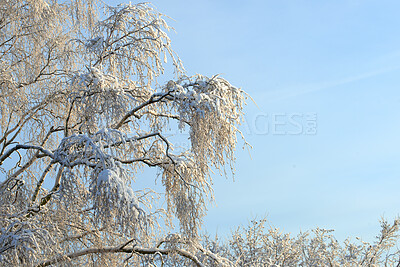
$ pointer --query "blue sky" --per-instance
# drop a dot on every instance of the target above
(336, 60)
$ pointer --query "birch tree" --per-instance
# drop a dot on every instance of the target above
(83, 111)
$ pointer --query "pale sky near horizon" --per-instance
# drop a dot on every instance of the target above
(331, 68)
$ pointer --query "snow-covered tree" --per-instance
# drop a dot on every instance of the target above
(259, 245)
(83, 111)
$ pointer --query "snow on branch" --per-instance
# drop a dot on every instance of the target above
(214, 109)
(118, 249)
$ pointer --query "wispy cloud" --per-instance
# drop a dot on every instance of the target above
(295, 91)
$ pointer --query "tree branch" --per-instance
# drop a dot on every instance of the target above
(122, 249)
(19, 146)
(153, 99)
